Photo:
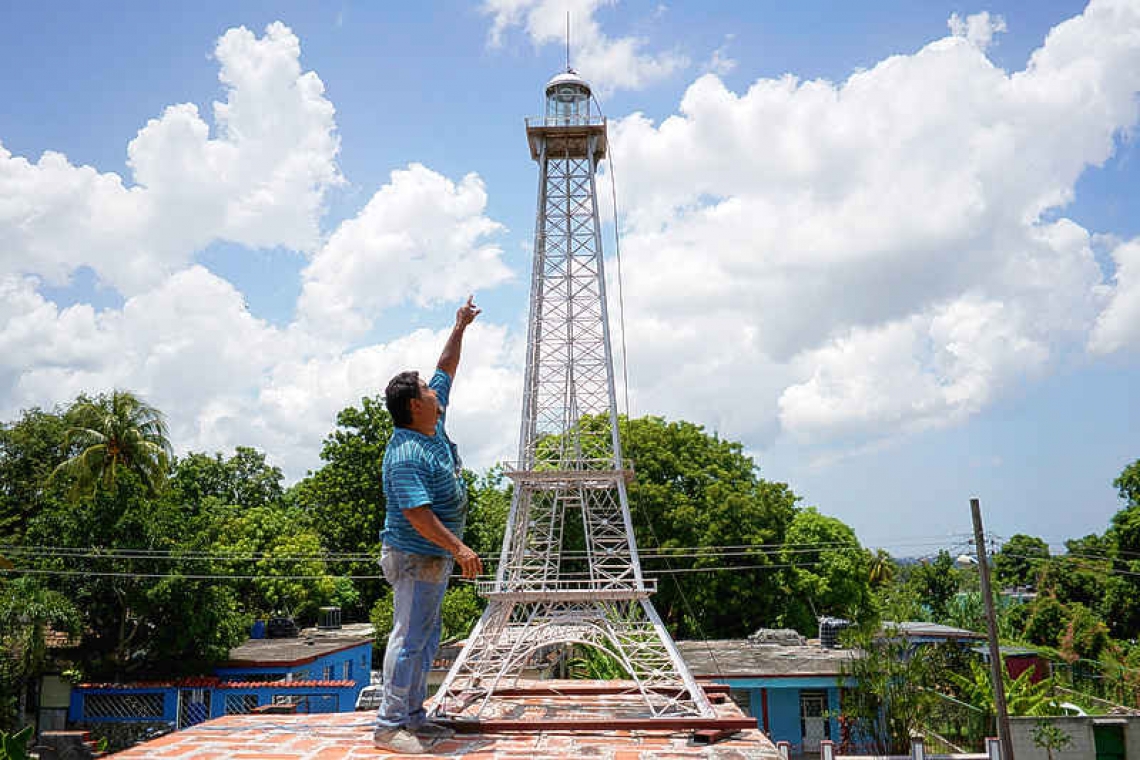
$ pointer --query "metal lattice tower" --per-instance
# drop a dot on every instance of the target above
(570, 465)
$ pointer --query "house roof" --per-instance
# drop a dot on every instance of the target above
(748, 658)
(920, 629)
(333, 736)
(308, 646)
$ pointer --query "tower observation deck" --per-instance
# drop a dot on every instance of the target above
(569, 572)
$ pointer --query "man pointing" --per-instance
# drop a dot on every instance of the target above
(422, 538)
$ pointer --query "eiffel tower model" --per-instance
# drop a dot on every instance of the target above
(570, 478)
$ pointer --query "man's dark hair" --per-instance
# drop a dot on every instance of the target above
(399, 394)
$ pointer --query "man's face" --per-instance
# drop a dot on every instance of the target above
(426, 407)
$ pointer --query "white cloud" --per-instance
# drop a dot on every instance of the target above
(978, 28)
(225, 378)
(607, 63)
(420, 239)
(840, 261)
(259, 181)
(720, 63)
(884, 240)
(183, 338)
(1118, 326)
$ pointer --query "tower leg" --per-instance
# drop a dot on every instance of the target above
(628, 630)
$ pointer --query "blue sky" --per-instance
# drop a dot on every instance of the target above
(871, 242)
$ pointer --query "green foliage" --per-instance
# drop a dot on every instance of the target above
(461, 610)
(27, 609)
(1022, 695)
(114, 433)
(935, 583)
(15, 746)
(829, 569)
(1128, 484)
(1085, 635)
(594, 663)
(896, 688)
(381, 618)
(291, 574)
(30, 448)
(344, 499)
(693, 489)
(1047, 618)
(1019, 561)
(243, 480)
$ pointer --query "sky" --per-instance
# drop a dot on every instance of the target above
(892, 248)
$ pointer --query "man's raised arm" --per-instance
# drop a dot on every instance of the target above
(449, 359)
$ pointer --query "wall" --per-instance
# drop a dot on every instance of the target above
(1079, 729)
(784, 715)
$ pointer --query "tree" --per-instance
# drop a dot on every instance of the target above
(693, 489)
(1023, 695)
(830, 571)
(1128, 484)
(1085, 635)
(344, 499)
(30, 448)
(1020, 560)
(896, 688)
(243, 480)
(113, 433)
(1046, 621)
(26, 611)
(1049, 737)
(882, 569)
(935, 582)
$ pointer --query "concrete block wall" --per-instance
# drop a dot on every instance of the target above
(1080, 731)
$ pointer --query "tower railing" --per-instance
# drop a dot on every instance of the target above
(590, 120)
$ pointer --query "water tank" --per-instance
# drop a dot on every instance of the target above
(329, 619)
(829, 629)
(281, 628)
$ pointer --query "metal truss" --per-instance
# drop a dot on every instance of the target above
(556, 585)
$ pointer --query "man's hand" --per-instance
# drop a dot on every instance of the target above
(469, 563)
(467, 312)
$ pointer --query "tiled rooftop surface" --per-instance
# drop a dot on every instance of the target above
(337, 736)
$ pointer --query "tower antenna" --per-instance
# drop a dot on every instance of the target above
(568, 40)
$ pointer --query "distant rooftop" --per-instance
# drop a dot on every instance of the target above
(913, 629)
(309, 645)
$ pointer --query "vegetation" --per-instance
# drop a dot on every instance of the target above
(106, 535)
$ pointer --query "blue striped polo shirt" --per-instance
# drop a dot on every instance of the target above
(423, 469)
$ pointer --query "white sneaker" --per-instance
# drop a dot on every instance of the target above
(401, 740)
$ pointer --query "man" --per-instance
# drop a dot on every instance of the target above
(422, 537)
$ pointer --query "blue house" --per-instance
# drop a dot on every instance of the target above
(318, 671)
(792, 688)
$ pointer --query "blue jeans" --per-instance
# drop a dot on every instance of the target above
(418, 582)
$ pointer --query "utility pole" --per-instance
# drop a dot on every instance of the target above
(996, 664)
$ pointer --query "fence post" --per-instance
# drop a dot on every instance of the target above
(917, 748)
(784, 750)
(826, 750)
(993, 747)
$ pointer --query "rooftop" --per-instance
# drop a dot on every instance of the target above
(310, 644)
(334, 736)
(916, 629)
(747, 658)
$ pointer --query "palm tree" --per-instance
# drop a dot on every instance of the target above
(882, 568)
(112, 433)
